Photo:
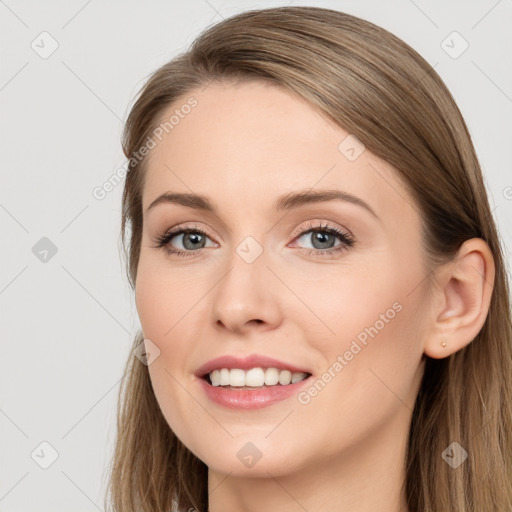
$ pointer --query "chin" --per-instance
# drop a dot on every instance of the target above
(262, 468)
(251, 456)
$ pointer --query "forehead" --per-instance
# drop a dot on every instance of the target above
(249, 143)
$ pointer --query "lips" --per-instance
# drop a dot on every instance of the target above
(246, 363)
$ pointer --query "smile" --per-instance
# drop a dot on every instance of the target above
(254, 377)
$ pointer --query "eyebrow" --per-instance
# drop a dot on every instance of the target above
(287, 201)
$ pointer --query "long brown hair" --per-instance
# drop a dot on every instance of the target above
(379, 89)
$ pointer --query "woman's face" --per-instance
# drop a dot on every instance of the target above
(266, 281)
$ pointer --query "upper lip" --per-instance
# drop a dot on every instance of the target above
(246, 363)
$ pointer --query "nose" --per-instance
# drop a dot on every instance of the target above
(246, 297)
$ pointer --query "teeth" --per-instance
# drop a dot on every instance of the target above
(224, 377)
(255, 377)
(285, 377)
(271, 376)
(297, 377)
(236, 377)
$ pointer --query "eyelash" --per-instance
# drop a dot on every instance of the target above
(347, 241)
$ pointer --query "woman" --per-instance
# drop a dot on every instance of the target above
(322, 294)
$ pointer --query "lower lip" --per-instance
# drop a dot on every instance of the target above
(250, 398)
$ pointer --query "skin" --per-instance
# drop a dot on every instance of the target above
(244, 145)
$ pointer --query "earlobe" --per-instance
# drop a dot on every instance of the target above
(464, 290)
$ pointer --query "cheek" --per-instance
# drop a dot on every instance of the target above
(343, 303)
(369, 314)
(382, 352)
(160, 306)
(166, 303)
(371, 369)
(157, 297)
(149, 301)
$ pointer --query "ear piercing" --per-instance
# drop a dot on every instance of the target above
(443, 342)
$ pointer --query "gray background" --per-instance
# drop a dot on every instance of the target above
(68, 321)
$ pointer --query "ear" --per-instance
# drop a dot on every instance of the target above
(460, 302)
